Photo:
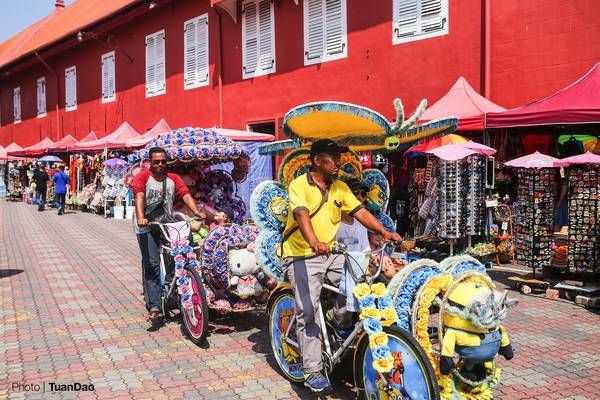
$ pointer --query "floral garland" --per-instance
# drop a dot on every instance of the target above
(450, 390)
(404, 299)
(436, 285)
(183, 254)
(377, 310)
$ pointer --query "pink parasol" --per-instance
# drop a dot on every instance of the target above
(451, 152)
(581, 159)
(479, 148)
(535, 160)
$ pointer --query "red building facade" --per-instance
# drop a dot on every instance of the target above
(517, 51)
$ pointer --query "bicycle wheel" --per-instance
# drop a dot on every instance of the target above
(195, 319)
(412, 378)
(281, 314)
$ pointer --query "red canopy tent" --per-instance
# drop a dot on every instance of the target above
(578, 103)
(62, 145)
(90, 137)
(33, 150)
(160, 127)
(123, 132)
(11, 147)
(465, 103)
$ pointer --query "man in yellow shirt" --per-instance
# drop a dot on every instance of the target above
(317, 200)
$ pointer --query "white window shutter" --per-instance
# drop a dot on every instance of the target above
(419, 19)
(71, 88)
(314, 37)
(250, 38)
(432, 16)
(202, 50)
(405, 18)
(335, 29)
(161, 84)
(266, 34)
(41, 97)
(150, 67)
(108, 77)
(190, 48)
(325, 30)
(17, 104)
(195, 44)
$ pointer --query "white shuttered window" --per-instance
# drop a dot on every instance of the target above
(258, 38)
(41, 97)
(71, 89)
(108, 77)
(195, 52)
(325, 32)
(419, 19)
(17, 105)
(155, 64)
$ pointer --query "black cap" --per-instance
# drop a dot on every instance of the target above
(326, 146)
(228, 211)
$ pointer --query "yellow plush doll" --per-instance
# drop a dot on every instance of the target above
(472, 320)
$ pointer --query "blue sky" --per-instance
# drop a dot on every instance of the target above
(16, 15)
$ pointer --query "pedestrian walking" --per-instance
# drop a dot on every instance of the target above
(41, 178)
(61, 180)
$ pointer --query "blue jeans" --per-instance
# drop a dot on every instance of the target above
(150, 248)
(60, 202)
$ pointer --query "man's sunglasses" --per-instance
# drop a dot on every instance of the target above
(157, 162)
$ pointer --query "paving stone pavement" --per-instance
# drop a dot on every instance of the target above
(71, 311)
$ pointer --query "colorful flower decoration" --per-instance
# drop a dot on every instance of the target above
(376, 310)
(269, 206)
(268, 253)
(183, 254)
(214, 250)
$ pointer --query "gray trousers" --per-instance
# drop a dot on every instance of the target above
(307, 277)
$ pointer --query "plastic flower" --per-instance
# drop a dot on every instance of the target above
(361, 291)
(384, 365)
(381, 353)
(179, 259)
(389, 314)
(367, 302)
(379, 290)
(370, 312)
(385, 302)
(378, 339)
(372, 326)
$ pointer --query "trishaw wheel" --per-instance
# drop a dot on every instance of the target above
(281, 313)
(195, 318)
(412, 376)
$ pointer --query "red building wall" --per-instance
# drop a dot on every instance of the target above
(537, 47)
(541, 46)
(373, 74)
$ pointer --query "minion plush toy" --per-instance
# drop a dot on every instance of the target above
(472, 317)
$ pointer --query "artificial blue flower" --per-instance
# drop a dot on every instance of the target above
(381, 352)
(366, 302)
(372, 326)
(384, 302)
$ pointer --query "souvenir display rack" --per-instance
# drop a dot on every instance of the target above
(535, 217)
(450, 192)
(475, 193)
(584, 227)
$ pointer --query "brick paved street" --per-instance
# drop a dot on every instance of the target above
(71, 311)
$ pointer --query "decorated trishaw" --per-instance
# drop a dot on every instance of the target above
(434, 331)
(225, 276)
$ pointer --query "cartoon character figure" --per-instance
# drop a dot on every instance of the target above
(244, 270)
(472, 320)
(289, 353)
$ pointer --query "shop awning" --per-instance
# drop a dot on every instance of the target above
(63, 144)
(123, 133)
(463, 102)
(578, 103)
(11, 147)
(245, 136)
(140, 141)
(33, 150)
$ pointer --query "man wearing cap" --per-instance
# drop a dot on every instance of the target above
(317, 201)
